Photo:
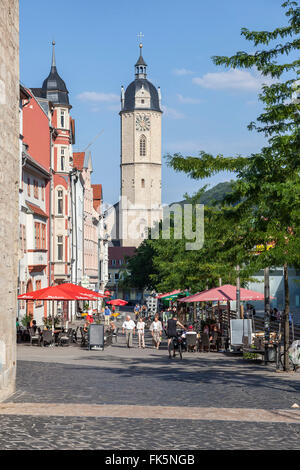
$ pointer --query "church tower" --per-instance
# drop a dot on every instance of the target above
(140, 116)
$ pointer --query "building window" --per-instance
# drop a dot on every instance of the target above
(43, 191)
(43, 236)
(60, 201)
(116, 276)
(28, 186)
(36, 189)
(38, 285)
(142, 146)
(37, 229)
(142, 183)
(113, 262)
(62, 159)
(62, 118)
(60, 248)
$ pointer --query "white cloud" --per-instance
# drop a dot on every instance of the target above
(172, 113)
(182, 72)
(188, 100)
(233, 79)
(95, 97)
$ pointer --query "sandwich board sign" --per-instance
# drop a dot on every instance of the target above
(96, 336)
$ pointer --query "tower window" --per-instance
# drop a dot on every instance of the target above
(143, 183)
(62, 159)
(60, 248)
(142, 146)
(60, 202)
(62, 118)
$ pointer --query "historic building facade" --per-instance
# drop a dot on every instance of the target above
(34, 204)
(55, 93)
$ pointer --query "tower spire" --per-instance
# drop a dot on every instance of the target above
(140, 66)
(53, 54)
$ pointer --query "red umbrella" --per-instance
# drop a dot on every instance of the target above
(117, 302)
(107, 293)
(223, 293)
(66, 291)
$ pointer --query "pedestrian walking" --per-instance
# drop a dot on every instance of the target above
(137, 311)
(144, 311)
(107, 314)
(140, 326)
(156, 330)
(128, 327)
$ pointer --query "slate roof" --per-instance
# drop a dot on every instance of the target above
(55, 88)
(133, 88)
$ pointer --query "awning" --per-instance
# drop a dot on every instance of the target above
(117, 302)
(65, 291)
(169, 294)
(224, 293)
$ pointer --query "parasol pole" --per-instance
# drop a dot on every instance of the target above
(52, 317)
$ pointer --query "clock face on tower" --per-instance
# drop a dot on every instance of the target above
(142, 122)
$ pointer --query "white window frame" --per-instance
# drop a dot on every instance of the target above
(58, 245)
(62, 201)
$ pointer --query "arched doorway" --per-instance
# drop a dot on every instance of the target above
(30, 303)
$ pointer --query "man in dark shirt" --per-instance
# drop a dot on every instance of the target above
(171, 329)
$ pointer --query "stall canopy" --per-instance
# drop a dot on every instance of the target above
(117, 302)
(223, 293)
(171, 295)
(65, 291)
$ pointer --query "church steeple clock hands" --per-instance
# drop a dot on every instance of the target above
(140, 156)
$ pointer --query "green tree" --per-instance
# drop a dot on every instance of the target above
(139, 268)
(267, 188)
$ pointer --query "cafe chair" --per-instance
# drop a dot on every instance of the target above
(191, 342)
(35, 336)
(47, 338)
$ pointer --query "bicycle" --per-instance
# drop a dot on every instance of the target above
(291, 365)
(177, 343)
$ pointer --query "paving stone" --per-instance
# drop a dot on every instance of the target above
(119, 376)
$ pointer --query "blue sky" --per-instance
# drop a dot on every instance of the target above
(205, 107)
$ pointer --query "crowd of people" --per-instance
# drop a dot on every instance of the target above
(164, 323)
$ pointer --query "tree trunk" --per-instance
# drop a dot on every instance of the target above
(286, 317)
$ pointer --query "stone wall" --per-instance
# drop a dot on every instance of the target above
(9, 174)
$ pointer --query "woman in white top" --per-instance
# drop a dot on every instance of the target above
(156, 329)
(140, 326)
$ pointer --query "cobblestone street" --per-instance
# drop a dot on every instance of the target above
(218, 401)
